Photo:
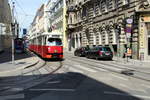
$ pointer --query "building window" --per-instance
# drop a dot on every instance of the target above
(104, 6)
(94, 10)
(84, 13)
(100, 9)
(116, 4)
(126, 2)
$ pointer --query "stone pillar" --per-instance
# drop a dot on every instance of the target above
(122, 42)
(75, 38)
(135, 43)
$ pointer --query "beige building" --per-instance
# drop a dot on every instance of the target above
(5, 22)
(119, 24)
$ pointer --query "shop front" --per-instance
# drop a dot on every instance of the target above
(144, 37)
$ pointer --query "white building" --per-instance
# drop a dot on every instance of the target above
(5, 20)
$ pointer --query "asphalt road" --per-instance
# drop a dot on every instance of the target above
(75, 78)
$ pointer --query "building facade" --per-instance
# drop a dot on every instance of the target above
(119, 24)
(50, 17)
(57, 18)
(5, 24)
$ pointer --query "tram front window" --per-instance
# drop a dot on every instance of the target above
(54, 42)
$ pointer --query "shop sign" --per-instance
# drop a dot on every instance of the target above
(142, 37)
(145, 18)
(128, 30)
(128, 35)
(129, 21)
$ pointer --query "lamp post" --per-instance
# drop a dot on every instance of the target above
(13, 33)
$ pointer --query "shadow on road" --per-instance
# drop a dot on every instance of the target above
(64, 86)
(6, 56)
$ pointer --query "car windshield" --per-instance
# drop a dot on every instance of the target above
(106, 49)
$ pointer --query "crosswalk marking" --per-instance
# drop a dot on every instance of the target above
(109, 67)
(101, 69)
(75, 70)
(43, 71)
(123, 78)
(86, 68)
(145, 85)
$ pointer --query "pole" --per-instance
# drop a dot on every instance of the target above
(13, 34)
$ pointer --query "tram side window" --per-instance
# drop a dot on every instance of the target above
(45, 40)
(54, 42)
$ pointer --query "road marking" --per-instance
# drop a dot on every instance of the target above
(17, 96)
(72, 90)
(86, 68)
(131, 88)
(43, 71)
(108, 67)
(16, 89)
(53, 82)
(120, 77)
(125, 94)
(145, 85)
(75, 70)
(101, 69)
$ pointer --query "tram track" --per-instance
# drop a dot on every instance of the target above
(27, 81)
(101, 65)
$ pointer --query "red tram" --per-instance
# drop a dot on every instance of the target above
(48, 45)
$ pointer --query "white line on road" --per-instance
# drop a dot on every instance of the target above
(109, 67)
(101, 69)
(86, 68)
(75, 70)
(53, 82)
(145, 85)
(131, 88)
(72, 90)
(17, 96)
(125, 94)
(123, 78)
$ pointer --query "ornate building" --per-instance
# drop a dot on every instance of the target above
(120, 24)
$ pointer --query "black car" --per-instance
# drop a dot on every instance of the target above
(100, 52)
(82, 51)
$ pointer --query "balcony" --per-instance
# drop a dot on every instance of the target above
(71, 8)
(71, 26)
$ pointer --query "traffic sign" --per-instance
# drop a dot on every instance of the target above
(129, 21)
(128, 35)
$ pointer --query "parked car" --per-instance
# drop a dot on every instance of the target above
(100, 52)
(82, 51)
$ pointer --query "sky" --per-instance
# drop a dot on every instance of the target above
(25, 11)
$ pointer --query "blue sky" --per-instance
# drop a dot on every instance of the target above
(26, 10)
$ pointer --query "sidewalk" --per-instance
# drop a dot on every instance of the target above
(21, 61)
